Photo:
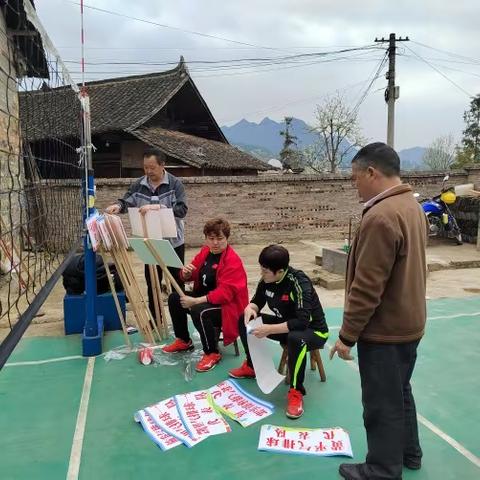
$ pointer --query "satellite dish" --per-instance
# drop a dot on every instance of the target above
(273, 162)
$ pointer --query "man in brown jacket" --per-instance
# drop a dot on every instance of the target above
(385, 312)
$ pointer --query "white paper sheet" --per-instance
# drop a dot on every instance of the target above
(135, 222)
(165, 415)
(167, 220)
(159, 224)
(325, 442)
(159, 436)
(267, 375)
(153, 225)
(198, 415)
(238, 404)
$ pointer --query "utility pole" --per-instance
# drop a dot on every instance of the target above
(392, 92)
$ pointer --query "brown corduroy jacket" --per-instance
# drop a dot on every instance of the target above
(386, 272)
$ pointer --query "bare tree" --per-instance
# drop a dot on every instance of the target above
(314, 157)
(338, 133)
(441, 153)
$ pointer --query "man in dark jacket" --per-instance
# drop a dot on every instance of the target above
(157, 189)
(385, 312)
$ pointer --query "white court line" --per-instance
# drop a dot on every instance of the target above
(457, 315)
(77, 444)
(76, 357)
(40, 362)
(451, 441)
(432, 427)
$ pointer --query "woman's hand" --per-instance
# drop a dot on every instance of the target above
(188, 302)
(187, 271)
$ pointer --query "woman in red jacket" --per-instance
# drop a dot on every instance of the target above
(219, 296)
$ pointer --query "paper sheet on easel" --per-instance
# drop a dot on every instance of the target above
(166, 252)
(267, 376)
(159, 224)
(142, 251)
(135, 222)
(167, 220)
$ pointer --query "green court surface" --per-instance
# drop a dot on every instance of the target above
(40, 401)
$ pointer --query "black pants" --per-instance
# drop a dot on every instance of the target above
(298, 342)
(174, 271)
(389, 413)
(206, 318)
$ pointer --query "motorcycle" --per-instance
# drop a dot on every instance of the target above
(441, 221)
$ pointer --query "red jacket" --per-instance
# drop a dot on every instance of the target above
(231, 292)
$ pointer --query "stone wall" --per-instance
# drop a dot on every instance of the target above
(274, 208)
(11, 173)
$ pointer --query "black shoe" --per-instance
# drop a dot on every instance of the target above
(352, 471)
(413, 463)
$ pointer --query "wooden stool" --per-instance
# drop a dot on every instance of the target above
(315, 362)
(218, 337)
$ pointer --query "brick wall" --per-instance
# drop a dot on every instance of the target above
(272, 208)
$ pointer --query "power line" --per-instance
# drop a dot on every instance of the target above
(476, 60)
(180, 48)
(440, 72)
(171, 27)
(453, 69)
(215, 72)
(272, 60)
(376, 74)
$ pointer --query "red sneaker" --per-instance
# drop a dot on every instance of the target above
(207, 362)
(178, 345)
(245, 371)
(294, 404)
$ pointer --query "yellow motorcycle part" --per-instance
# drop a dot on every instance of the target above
(448, 197)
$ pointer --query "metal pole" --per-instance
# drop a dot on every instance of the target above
(91, 323)
(391, 92)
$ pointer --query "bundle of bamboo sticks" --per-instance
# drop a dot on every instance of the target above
(113, 241)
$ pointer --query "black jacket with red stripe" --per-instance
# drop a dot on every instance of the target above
(294, 300)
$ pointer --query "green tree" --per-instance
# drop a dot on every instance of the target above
(470, 153)
(289, 155)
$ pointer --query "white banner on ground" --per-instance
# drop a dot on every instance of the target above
(266, 374)
(239, 405)
(159, 436)
(165, 415)
(326, 442)
(198, 414)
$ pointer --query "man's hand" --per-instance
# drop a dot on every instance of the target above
(249, 314)
(148, 208)
(113, 209)
(341, 350)
(188, 302)
(187, 271)
(261, 331)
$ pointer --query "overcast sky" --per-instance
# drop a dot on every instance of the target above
(429, 104)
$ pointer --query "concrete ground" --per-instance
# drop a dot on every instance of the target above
(451, 282)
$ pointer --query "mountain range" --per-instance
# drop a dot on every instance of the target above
(265, 142)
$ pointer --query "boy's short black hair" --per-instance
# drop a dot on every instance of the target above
(157, 153)
(380, 156)
(274, 258)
